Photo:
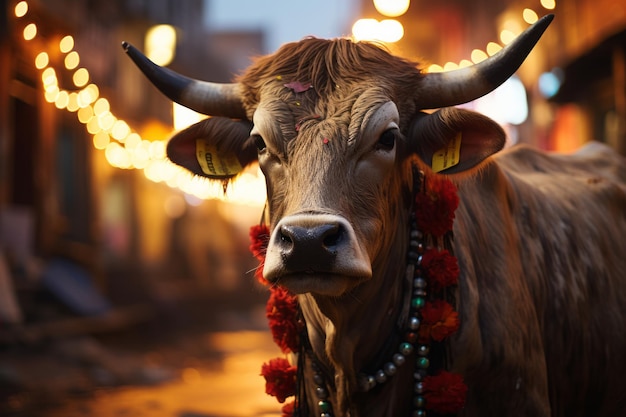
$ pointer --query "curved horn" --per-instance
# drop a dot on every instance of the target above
(204, 97)
(442, 89)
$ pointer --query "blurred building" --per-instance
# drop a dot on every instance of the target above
(63, 203)
(60, 197)
(574, 78)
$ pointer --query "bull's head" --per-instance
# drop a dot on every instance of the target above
(335, 126)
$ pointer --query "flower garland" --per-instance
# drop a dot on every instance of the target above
(433, 318)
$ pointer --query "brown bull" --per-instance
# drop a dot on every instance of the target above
(540, 239)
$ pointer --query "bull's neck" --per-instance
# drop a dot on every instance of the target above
(357, 331)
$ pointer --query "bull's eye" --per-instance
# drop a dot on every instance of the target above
(387, 140)
(259, 142)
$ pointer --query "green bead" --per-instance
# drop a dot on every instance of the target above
(423, 363)
(324, 406)
(406, 348)
(419, 402)
(418, 302)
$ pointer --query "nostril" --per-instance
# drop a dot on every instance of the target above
(333, 236)
(285, 235)
(285, 238)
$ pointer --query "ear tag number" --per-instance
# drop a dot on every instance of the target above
(215, 164)
(448, 156)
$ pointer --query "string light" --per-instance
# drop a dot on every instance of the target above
(122, 147)
(126, 149)
(507, 35)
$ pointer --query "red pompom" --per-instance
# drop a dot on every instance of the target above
(259, 239)
(445, 393)
(288, 409)
(280, 378)
(434, 208)
(441, 267)
(281, 311)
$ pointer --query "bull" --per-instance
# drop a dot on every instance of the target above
(341, 134)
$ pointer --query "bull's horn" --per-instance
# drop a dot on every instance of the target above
(442, 89)
(213, 99)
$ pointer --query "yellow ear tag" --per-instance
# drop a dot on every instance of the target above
(448, 156)
(216, 164)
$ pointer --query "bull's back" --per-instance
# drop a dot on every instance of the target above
(570, 219)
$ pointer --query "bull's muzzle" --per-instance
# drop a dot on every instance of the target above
(317, 253)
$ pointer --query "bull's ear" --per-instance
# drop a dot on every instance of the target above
(453, 140)
(218, 148)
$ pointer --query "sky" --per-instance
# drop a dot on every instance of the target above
(283, 20)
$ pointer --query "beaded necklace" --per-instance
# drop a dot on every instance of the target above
(431, 275)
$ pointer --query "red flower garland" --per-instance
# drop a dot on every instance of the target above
(434, 210)
(280, 378)
(445, 392)
(282, 313)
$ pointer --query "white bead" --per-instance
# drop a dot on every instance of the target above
(390, 369)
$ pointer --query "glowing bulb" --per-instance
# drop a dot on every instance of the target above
(101, 140)
(120, 130)
(30, 31)
(42, 60)
(160, 44)
(106, 120)
(390, 30)
(66, 44)
(478, 56)
(435, 68)
(132, 141)
(449, 66)
(392, 8)
(548, 4)
(62, 100)
(465, 63)
(93, 126)
(48, 77)
(493, 48)
(72, 60)
(84, 113)
(89, 94)
(80, 77)
(506, 36)
(530, 16)
(365, 29)
(72, 103)
(117, 155)
(157, 149)
(21, 9)
(51, 94)
(101, 106)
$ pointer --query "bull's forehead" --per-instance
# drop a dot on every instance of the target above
(322, 162)
(284, 116)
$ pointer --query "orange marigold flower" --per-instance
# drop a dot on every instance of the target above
(439, 320)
